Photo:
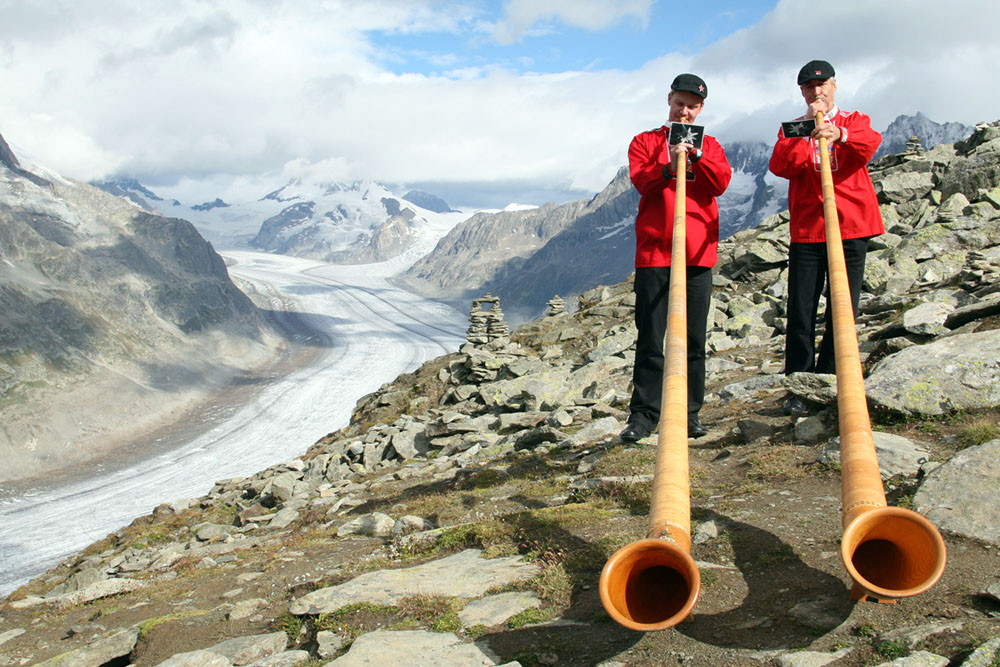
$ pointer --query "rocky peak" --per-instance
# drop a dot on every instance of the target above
(10, 162)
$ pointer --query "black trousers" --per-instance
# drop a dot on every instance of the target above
(807, 278)
(651, 301)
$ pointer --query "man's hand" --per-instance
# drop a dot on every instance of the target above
(675, 150)
(827, 131)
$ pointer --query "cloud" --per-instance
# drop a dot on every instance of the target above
(201, 92)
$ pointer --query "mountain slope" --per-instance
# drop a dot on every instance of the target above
(103, 302)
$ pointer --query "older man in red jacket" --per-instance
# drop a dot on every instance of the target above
(652, 166)
(852, 143)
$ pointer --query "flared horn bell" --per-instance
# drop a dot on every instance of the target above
(892, 552)
(650, 585)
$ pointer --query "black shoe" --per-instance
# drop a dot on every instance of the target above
(635, 431)
(695, 429)
(794, 406)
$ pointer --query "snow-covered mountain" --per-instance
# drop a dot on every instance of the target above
(342, 223)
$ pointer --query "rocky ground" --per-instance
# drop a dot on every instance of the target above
(464, 515)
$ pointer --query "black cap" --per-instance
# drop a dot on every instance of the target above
(816, 70)
(690, 83)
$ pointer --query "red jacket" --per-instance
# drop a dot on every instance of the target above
(654, 224)
(797, 159)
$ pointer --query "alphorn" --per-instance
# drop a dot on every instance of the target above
(889, 552)
(654, 583)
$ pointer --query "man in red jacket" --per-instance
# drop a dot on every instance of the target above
(652, 166)
(852, 143)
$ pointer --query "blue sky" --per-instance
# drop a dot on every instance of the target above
(481, 102)
(553, 44)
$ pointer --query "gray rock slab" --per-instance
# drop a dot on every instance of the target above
(95, 591)
(414, 648)
(985, 655)
(911, 636)
(816, 387)
(10, 634)
(103, 650)
(953, 373)
(495, 609)
(328, 644)
(200, 658)
(375, 524)
(920, 659)
(896, 455)
(244, 650)
(750, 388)
(927, 318)
(246, 608)
(462, 575)
(595, 430)
(960, 496)
(809, 658)
(286, 659)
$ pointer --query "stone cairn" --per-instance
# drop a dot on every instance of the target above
(556, 306)
(913, 146)
(486, 326)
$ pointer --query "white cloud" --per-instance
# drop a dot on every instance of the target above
(245, 89)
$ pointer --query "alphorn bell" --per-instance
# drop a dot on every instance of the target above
(889, 552)
(654, 583)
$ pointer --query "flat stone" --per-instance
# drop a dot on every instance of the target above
(495, 609)
(375, 524)
(10, 634)
(244, 650)
(414, 648)
(985, 655)
(809, 658)
(462, 575)
(328, 644)
(920, 659)
(246, 608)
(196, 659)
(286, 659)
(105, 649)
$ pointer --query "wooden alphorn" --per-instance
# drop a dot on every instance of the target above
(654, 583)
(889, 552)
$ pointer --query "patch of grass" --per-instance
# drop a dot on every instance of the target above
(978, 432)
(354, 620)
(631, 497)
(529, 617)
(553, 584)
(476, 631)
(156, 535)
(288, 623)
(149, 624)
(781, 554)
(865, 630)
(775, 462)
(438, 613)
(892, 650)
(626, 461)
(495, 538)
